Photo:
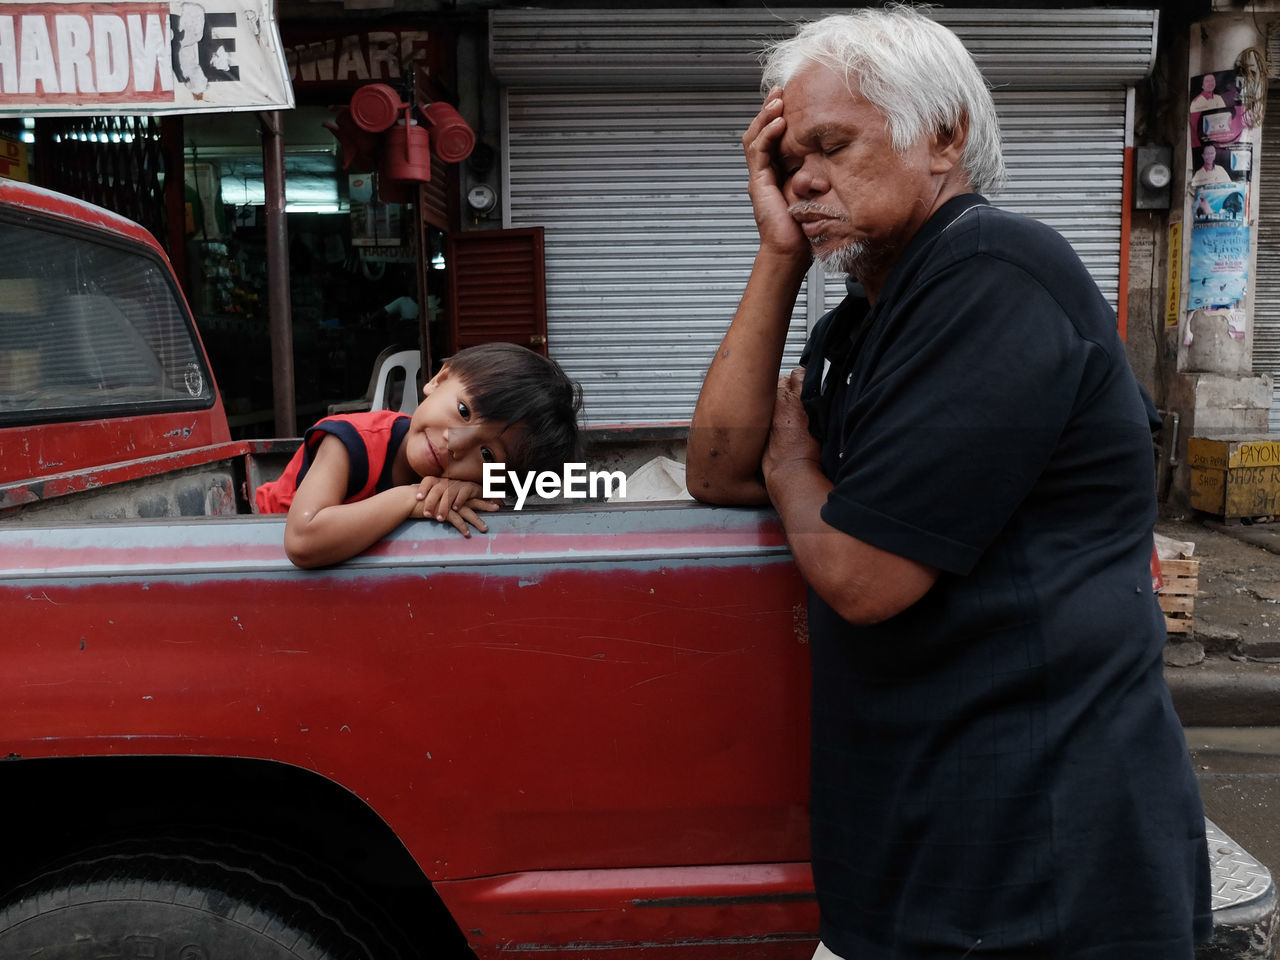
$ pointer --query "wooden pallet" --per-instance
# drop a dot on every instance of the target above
(1178, 595)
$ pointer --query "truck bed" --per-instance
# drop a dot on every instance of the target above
(588, 728)
(586, 709)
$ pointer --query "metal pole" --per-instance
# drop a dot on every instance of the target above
(422, 268)
(278, 306)
(174, 203)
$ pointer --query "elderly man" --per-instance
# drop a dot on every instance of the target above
(964, 472)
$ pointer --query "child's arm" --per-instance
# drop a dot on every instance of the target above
(321, 529)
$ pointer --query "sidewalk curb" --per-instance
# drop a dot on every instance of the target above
(1263, 535)
(1225, 693)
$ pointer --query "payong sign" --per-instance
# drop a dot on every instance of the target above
(140, 57)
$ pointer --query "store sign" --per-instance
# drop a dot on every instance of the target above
(355, 58)
(140, 57)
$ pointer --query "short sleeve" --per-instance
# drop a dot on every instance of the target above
(349, 437)
(954, 413)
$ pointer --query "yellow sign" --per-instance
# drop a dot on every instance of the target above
(1174, 293)
(13, 159)
(1235, 476)
(1233, 452)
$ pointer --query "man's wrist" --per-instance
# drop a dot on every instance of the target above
(784, 474)
(783, 262)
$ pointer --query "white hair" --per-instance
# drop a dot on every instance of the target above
(912, 69)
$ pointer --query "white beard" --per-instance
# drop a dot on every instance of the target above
(854, 259)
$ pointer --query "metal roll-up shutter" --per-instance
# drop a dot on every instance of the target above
(1266, 287)
(1064, 152)
(649, 238)
(623, 140)
(707, 49)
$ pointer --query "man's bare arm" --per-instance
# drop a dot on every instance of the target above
(731, 421)
(862, 583)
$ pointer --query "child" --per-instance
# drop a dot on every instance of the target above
(359, 476)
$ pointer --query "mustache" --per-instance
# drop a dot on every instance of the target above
(813, 207)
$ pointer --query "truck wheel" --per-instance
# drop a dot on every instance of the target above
(177, 906)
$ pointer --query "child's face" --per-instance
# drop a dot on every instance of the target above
(445, 438)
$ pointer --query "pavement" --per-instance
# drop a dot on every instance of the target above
(1225, 677)
(1237, 607)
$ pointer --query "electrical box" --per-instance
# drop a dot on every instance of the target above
(1153, 174)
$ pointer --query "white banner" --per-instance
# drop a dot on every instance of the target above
(140, 57)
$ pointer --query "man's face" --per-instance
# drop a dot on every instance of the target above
(858, 200)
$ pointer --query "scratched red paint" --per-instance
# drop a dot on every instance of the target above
(501, 726)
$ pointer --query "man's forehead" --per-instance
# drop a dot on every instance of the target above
(817, 102)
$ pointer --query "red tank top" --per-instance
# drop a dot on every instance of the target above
(371, 440)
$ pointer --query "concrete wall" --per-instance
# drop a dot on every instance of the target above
(1200, 365)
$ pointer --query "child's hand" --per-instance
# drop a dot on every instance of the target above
(440, 495)
(454, 502)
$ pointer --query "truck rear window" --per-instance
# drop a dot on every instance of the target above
(90, 329)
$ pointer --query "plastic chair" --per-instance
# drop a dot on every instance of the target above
(402, 368)
(377, 377)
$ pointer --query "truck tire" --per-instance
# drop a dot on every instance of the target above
(180, 906)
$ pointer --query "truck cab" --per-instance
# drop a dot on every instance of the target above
(100, 361)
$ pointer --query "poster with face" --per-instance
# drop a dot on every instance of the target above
(1217, 115)
(1221, 164)
(1213, 91)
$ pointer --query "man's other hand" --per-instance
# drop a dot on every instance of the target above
(790, 443)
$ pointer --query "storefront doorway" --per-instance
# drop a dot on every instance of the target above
(354, 290)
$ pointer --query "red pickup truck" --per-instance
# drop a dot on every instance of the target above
(582, 735)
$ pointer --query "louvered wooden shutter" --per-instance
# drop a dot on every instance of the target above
(497, 288)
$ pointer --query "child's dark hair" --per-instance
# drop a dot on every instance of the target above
(511, 384)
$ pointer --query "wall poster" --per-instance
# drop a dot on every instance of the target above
(1219, 184)
(1219, 265)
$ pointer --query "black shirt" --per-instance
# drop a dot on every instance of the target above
(999, 766)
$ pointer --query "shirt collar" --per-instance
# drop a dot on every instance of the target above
(943, 217)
